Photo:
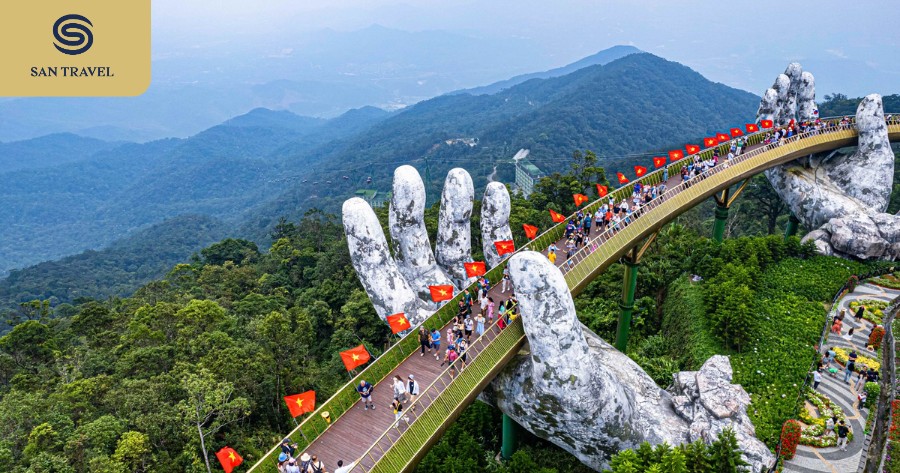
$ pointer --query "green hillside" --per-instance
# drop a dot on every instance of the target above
(637, 104)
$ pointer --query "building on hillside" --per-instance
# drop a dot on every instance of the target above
(527, 175)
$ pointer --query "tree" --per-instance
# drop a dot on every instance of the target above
(725, 455)
(209, 407)
(764, 201)
(230, 249)
(28, 344)
(133, 451)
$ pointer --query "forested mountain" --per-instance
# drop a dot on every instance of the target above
(603, 57)
(113, 271)
(637, 104)
(49, 150)
(116, 190)
(256, 168)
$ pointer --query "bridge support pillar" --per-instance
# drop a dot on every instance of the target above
(623, 330)
(724, 200)
(791, 229)
(509, 440)
(720, 222)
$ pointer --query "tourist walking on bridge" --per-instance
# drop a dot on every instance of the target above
(436, 343)
(399, 388)
(412, 388)
(365, 392)
(424, 340)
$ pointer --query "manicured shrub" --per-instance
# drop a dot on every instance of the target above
(876, 337)
(790, 438)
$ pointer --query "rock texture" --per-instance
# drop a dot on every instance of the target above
(400, 283)
(378, 272)
(582, 394)
(495, 208)
(454, 238)
(843, 197)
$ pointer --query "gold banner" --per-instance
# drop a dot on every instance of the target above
(75, 48)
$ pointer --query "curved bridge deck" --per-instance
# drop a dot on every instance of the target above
(379, 444)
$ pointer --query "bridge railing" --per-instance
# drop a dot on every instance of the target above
(446, 397)
(341, 401)
(592, 243)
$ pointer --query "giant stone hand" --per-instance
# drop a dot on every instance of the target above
(568, 386)
(400, 283)
(842, 197)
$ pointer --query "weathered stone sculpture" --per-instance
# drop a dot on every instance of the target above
(571, 388)
(843, 197)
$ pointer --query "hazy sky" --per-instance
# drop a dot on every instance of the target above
(850, 46)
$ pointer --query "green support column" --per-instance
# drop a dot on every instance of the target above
(791, 229)
(508, 446)
(719, 224)
(630, 285)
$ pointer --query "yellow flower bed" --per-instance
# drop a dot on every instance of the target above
(842, 357)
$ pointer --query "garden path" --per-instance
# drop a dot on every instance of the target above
(833, 460)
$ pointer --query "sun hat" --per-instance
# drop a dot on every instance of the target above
(282, 457)
(304, 457)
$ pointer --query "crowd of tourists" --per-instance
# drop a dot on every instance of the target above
(863, 374)
(289, 462)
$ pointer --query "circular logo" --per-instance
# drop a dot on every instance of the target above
(73, 34)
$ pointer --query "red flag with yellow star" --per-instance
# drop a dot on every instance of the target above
(640, 171)
(752, 127)
(621, 177)
(228, 458)
(353, 357)
(709, 142)
(692, 149)
(676, 154)
(438, 294)
(659, 161)
(530, 232)
(766, 123)
(504, 247)
(475, 268)
(557, 217)
(735, 132)
(722, 137)
(580, 199)
(399, 322)
(602, 190)
(301, 403)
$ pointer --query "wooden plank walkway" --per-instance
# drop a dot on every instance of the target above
(357, 430)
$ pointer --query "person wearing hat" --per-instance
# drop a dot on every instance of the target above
(287, 448)
(413, 389)
(292, 466)
(282, 459)
(304, 463)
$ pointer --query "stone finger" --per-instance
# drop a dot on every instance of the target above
(409, 237)
(454, 237)
(377, 271)
(495, 208)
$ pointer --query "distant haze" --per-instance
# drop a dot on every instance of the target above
(215, 59)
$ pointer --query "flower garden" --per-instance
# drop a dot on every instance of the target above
(814, 434)
(841, 355)
(874, 309)
(890, 281)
